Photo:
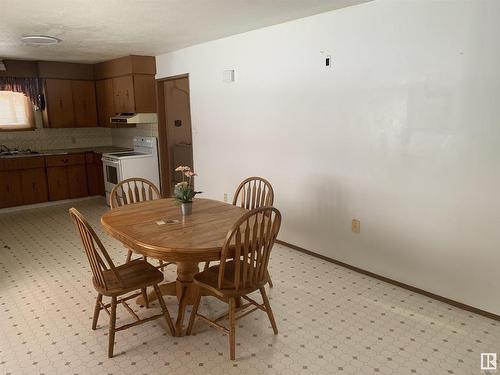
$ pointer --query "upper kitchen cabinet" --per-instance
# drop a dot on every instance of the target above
(105, 101)
(87, 95)
(134, 93)
(59, 111)
(132, 79)
(145, 93)
(69, 94)
(124, 96)
(70, 103)
(84, 103)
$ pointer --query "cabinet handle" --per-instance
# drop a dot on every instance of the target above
(60, 103)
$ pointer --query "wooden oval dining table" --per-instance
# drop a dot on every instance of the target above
(157, 229)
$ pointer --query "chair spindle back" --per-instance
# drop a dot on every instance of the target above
(252, 238)
(133, 190)
(254, 192)
(97, 256)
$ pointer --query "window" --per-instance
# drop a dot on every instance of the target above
(16, 111)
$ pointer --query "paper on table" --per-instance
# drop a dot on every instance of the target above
(167, 221)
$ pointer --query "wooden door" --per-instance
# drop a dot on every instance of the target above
(59, 101)
(176, 130)
(34, 186)
(57, 179)
(77, 181)
(144, 93)
(10, 189)
(84, 103)
(105, 101)
(123, 88)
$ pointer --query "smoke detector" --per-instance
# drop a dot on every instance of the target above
(40, 40)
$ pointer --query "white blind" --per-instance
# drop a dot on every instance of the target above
(15, 110)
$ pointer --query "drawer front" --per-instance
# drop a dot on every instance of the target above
(22, 163)
(63, 160)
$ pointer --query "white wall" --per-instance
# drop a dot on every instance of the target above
(403, 133)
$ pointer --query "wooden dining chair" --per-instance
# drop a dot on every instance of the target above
(134, 190)
(112, 281)
(251, 193)
(242, 270)
(254, 192)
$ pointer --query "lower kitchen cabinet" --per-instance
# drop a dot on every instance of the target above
(34, 186)
(77, 181)
(57, 178)
(50, 178)
(10, 189)
(95, 175)
(67, 177)
(22, 181)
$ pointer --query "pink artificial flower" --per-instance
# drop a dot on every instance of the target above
(189, 174)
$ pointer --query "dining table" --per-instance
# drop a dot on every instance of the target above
(157, 229)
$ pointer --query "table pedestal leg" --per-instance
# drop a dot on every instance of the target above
(183, 288)
(186, 292)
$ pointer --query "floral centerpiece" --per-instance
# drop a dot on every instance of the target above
(184, 191)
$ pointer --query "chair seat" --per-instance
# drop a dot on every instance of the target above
(135, 275)
(209, 280)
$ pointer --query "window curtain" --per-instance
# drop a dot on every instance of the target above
(29, 86)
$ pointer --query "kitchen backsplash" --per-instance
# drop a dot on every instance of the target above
(123, 137)
(53, 139)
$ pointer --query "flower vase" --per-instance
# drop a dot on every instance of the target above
(186, 208)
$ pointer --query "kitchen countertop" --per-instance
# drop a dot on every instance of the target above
(66, 151)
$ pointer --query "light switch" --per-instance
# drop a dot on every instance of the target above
(228, 76)
(356, 226)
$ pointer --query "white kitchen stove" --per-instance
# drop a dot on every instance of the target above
(141, 162)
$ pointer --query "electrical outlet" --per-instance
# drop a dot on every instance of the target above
(356, 226)
(73, 140)
(225, 197)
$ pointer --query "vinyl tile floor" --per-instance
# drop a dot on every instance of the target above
(331, 320)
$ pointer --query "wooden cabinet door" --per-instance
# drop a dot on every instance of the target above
(77, 181)
(57, 180)
(95, 179)
(144, 93)
(59, 101)
(123, 88)
(34, 186)
(84, 103)
(95, 175)
(10, 189)
(105, 101)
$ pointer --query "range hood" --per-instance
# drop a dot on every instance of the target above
(133, 118)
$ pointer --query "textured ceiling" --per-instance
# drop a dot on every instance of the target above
(97, 30)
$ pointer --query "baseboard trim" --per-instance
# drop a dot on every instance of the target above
(48, 204)
(394, 282)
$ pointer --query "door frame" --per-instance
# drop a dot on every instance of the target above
(164, 159)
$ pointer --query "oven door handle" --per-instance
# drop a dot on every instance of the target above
(110, 161)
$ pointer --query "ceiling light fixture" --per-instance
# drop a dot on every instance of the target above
(40, 40)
